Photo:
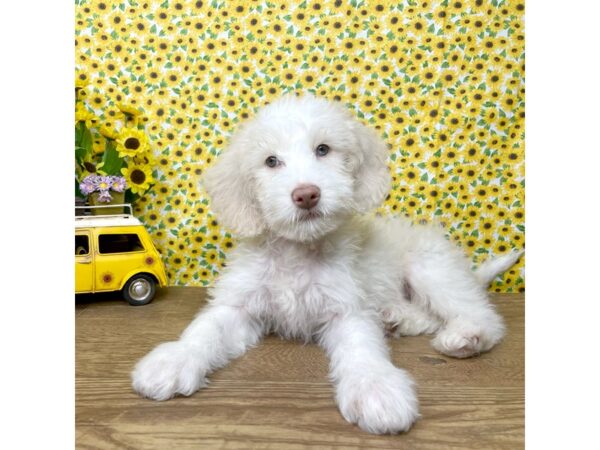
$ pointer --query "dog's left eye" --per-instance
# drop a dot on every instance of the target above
(322, 150)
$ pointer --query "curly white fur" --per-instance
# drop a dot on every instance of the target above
(327, 274)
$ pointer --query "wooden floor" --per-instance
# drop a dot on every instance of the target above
(277, 396)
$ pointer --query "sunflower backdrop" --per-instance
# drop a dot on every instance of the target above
(442, 82)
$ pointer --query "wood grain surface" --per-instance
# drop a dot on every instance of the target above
(277, 396)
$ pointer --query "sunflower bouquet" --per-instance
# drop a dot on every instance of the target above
(113, 155)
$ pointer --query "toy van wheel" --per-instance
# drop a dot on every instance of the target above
(139, 290)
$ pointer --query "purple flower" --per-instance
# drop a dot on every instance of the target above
(104, 197)
(87, 186)
(117, 184)
(102, 184)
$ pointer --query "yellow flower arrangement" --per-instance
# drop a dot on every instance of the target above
(112, 149)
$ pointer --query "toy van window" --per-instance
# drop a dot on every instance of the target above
(82, 245)
(119, 243)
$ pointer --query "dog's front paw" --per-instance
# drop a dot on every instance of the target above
(462, 339)
(379, 404)
(170, 369)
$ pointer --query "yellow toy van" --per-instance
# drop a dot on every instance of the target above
(113, 252)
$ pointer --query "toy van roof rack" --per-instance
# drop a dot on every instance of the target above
(100, 207)
(106, 220)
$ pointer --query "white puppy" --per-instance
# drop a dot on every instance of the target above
(292, 184)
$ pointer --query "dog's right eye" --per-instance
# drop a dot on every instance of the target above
(272, 161)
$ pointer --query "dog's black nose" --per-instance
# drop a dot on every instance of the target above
(306, 196)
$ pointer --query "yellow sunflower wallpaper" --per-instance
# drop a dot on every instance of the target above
(441, 81)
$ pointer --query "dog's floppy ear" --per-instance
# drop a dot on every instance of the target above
(232, 192)
(372, 174)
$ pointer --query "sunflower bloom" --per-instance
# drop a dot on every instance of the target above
(144, 159)
(81, 113)
(81, 83)
(108, 132)
(138, 178)
(131, 142)
(98, 144)
(129, 109)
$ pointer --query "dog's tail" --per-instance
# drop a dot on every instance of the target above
(493, 267)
